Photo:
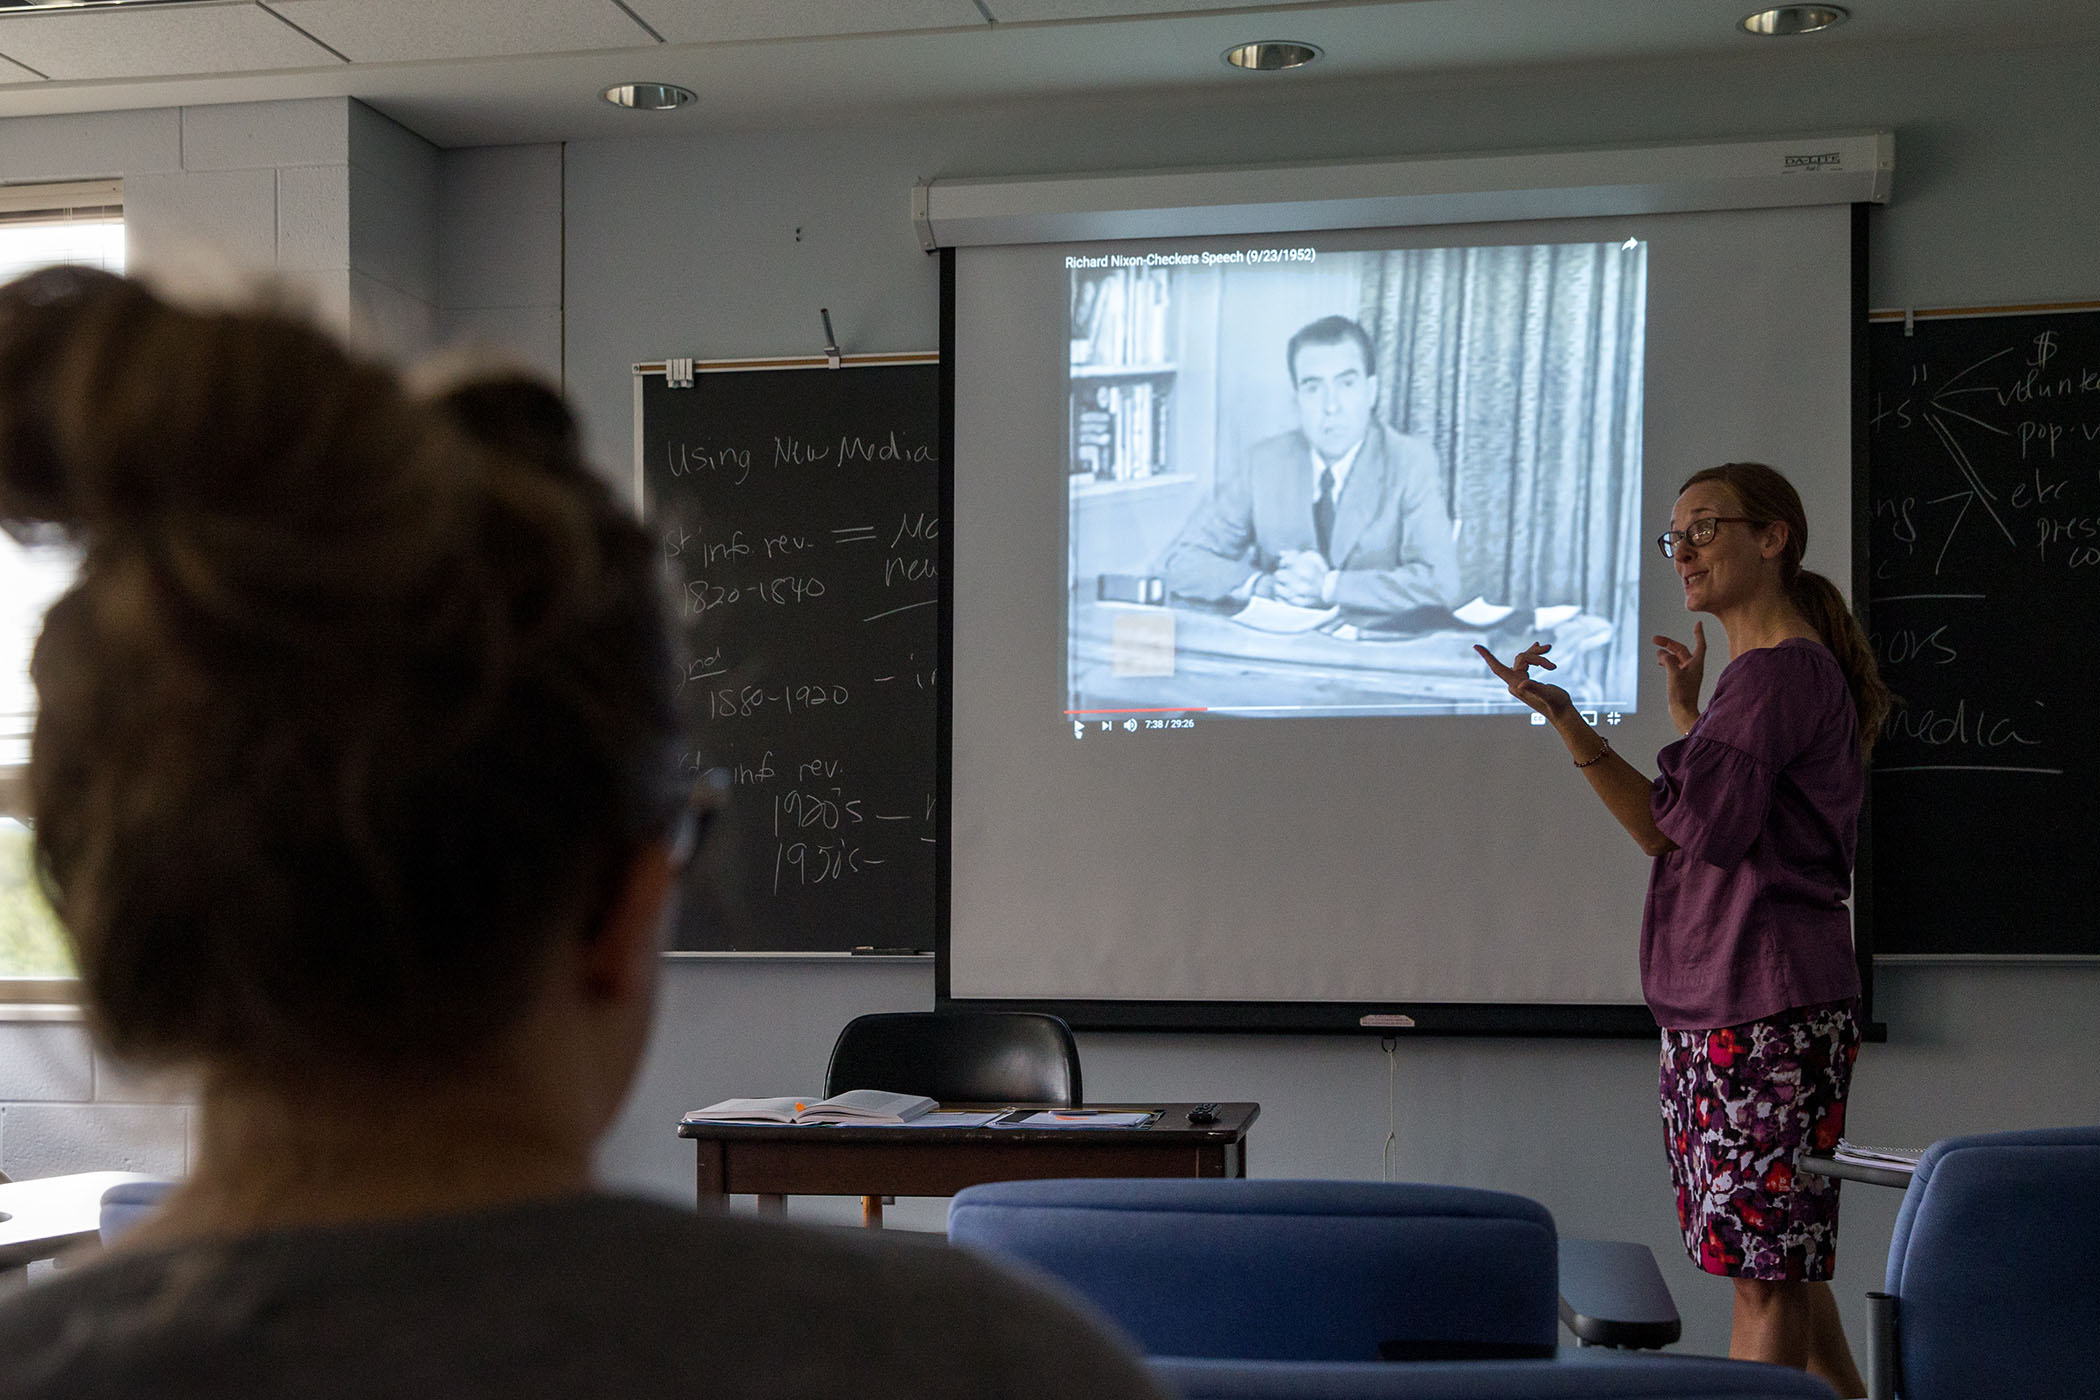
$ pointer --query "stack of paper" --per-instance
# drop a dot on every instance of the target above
(1077, 1118)
(1896, 1158)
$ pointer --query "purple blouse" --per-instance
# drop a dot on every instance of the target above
(1747, 917)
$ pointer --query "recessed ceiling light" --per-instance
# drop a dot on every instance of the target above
(1794, 19)
(1269, 55)
(648, 97)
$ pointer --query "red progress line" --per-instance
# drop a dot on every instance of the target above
(1155, 710)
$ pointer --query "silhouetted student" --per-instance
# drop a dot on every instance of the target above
(354, 786)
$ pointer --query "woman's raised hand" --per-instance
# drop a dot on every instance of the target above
(1684, 667)
(1549, 700)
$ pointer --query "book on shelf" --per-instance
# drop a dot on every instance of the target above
(1119, 317)
(1120, 431)
(853, 1106)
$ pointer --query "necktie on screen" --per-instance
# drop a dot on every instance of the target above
(1323, 515)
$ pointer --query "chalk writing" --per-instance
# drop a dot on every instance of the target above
(1983, 535)
(798, 516)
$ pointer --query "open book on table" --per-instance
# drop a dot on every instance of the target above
(853, 1106)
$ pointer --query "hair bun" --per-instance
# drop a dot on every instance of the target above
(514, 411)
(42, 316)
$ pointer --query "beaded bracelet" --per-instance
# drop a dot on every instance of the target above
(1605, 748)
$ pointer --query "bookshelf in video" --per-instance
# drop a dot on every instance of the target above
(1122, 377)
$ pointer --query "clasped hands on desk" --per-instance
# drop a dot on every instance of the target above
(773, 1161)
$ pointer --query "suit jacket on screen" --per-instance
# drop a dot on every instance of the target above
(1392, 534)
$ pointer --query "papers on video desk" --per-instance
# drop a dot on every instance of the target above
(1269, 615)
(1481, 613)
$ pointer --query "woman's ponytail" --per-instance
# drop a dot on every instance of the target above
(1824, 607)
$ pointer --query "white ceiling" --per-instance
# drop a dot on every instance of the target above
(472, 72)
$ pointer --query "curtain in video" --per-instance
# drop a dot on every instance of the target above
(1524, 366)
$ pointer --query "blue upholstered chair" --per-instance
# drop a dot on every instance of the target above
(1589, 1376)
(1994, 1271)
(126, 1204)
(1286, 1270)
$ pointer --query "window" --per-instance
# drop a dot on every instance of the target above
(39, 225)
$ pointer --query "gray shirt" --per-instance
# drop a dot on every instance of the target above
(586, 1296)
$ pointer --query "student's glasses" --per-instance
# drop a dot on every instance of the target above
(1700, 533)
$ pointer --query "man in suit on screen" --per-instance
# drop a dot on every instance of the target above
(1342, 511)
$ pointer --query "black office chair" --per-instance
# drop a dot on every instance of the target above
(987, 1057)
(959, 1057)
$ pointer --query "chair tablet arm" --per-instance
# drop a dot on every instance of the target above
(1613, 1295)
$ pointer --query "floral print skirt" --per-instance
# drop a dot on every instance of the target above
(1739, 1106)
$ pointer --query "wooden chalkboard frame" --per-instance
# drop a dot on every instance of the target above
(1909, 318)
(675, 370)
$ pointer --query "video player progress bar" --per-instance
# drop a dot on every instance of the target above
(1441, 706)
(1155, 710)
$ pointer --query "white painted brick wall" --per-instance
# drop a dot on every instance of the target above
(393, 230)
(393, 234)
(91, 145)
(313, 218)
(184, 219)
(45, 1063)
(396, 322)
(266, 135)
(500, 252)
(57, 1139)
(391, 151)
(499, 233)
(530, 335)
(66, 1107)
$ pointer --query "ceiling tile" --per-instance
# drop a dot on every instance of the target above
(156, 41)
(390, 31)
(716, 21)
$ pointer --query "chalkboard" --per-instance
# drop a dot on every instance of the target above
(1983, 438)
(798, 510)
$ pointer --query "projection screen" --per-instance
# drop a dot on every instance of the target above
(1221, 754)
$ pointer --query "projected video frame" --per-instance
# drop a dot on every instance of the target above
(1305, 482)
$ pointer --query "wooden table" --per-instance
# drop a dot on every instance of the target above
(775, 1161)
